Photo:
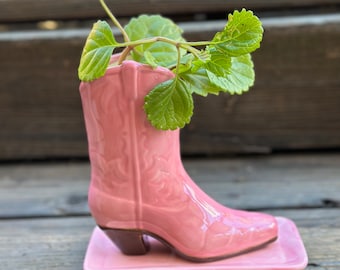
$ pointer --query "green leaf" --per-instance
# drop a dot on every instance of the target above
(197, 78)
(185, 64)
(164, 54)
(198, 82)
(241, 35)
(97, 52)
(169, 105)
(150, 59)
(219, 63)
(240, 78)
(203, 57)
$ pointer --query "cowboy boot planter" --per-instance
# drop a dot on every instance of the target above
(138, 184)
(134, 106)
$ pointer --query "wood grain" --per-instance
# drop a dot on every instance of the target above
(35, 10)
(295, 103)
(44, 243)
(267, 182)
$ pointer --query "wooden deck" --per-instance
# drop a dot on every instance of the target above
(45, 223)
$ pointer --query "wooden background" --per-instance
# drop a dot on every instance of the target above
(294, 105)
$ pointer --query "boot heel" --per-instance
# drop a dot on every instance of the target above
(128, 241)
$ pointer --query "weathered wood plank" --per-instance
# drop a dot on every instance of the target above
(295, 103)
(265, 183)
(34, 10)
(249, 183)
(44, 190)
(44, 243)
(60, 243)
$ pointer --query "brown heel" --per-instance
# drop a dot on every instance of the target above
(129, 242)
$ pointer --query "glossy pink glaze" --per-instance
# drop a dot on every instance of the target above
(138, 180)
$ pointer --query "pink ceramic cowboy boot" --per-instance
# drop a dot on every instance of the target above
(139, 186)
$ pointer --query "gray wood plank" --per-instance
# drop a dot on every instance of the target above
(33, 10)
(271, 182)
(44, 243)
(60, 243)
(261, 182)
(44, 190)
(293, 105)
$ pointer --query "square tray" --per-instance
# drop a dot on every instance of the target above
(286, 253)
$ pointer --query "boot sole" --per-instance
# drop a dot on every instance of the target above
(134, 242)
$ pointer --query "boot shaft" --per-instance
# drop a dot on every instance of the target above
(124, 148)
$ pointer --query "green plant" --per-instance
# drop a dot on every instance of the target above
(224, 65)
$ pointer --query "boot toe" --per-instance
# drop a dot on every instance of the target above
(257, 229)
(241, 232)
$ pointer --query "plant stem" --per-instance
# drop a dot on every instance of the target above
(182, 44)
(178, 60)
(114, 20)
(124, 54)
(188, 46)
(197, 43)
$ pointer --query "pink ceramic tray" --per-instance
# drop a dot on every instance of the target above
(287, 253)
